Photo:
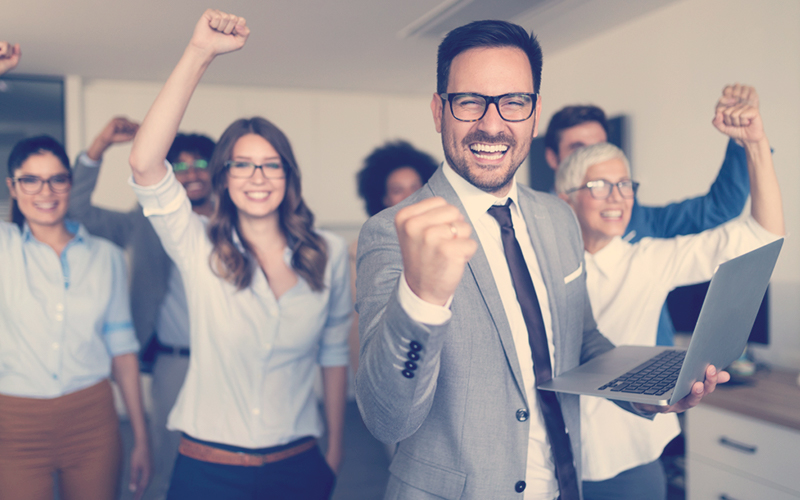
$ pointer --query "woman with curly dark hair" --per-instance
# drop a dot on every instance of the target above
(268, 298)
(391, 173)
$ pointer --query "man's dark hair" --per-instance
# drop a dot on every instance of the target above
(380, 164)
(195, 144)
(487, 34)
(569, 117)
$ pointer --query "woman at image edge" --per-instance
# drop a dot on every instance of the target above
(65, 326)
(268, 298)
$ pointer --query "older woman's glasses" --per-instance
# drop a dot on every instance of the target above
(601, 188)
(182, 166)
(246, 169)
(31, 184)
(471, 107)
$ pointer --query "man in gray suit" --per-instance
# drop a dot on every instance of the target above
(447, 364)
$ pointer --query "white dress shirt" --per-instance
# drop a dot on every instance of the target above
(254, 358)
(628, 284)
(540, 475)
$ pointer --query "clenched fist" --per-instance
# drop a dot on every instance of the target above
(737, 114)
(436, 245)
(218, 32)
(9, 56)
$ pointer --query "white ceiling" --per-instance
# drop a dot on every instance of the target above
(320, 44)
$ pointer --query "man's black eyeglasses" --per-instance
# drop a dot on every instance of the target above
(471, 107)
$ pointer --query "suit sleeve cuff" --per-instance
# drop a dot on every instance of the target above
(419, 310)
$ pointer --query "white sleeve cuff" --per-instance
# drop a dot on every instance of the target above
(84, 160)
(419, 310)
(162, 198)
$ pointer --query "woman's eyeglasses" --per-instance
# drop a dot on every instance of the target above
(32, 184)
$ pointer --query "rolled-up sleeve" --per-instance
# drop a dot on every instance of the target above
(167, 207)
(334, 349)
(118, 333)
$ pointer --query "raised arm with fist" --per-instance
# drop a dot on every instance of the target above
(215, 33)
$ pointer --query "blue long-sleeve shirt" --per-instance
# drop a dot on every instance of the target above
(724, 201)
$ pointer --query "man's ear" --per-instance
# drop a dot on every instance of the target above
(437, 108)
(552, 158)
(10, 185)
(565, 197)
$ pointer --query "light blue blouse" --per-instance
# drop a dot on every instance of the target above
(62, 318)
(255, 359)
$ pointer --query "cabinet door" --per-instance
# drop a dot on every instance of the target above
(756, 449)
(708, 482)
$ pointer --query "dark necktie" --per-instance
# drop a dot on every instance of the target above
(537, 338)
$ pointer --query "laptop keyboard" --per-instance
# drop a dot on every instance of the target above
(655, 376)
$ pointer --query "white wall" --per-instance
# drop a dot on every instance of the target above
(666, 71)
(331, 133)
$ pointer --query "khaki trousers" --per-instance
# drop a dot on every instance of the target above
(76, 435)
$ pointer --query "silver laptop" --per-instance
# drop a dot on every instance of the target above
(664, 375)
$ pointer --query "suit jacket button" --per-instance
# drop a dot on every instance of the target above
(522, 415)
(413, 355)
(520, 486)
(415, 346)
(408, 374)
(411, 365)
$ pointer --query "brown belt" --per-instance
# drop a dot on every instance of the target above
(205, 453)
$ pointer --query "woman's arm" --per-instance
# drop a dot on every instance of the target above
(215, 33)
(125, 368)
(334, 379)
(737, 115)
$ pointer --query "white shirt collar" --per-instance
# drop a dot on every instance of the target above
(476, 201)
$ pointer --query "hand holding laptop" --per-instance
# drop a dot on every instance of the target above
(699, 390)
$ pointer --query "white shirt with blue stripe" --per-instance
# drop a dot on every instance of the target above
(62, 318)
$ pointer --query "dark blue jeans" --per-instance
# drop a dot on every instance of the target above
(301, 477)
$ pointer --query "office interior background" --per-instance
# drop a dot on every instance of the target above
(340, 78)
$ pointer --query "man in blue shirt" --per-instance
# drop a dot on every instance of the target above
(573, 127)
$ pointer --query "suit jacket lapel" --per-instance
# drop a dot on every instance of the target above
(543, 239)
(478, 267)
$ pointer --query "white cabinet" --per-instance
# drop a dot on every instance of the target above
(743, 443)
(730, 457)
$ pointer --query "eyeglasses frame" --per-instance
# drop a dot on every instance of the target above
(229, 163)
(42, 182)
(634, 186)
(534, 96)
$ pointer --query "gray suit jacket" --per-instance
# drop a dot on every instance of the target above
(150, 265)
(456, 420)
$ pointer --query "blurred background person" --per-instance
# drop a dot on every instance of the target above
(65, 327)
(158, 299)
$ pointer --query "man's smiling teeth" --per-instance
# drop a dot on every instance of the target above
(488, 151)
(611, 214)
(45, 206)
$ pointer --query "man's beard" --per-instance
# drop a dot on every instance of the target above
(460, 164)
